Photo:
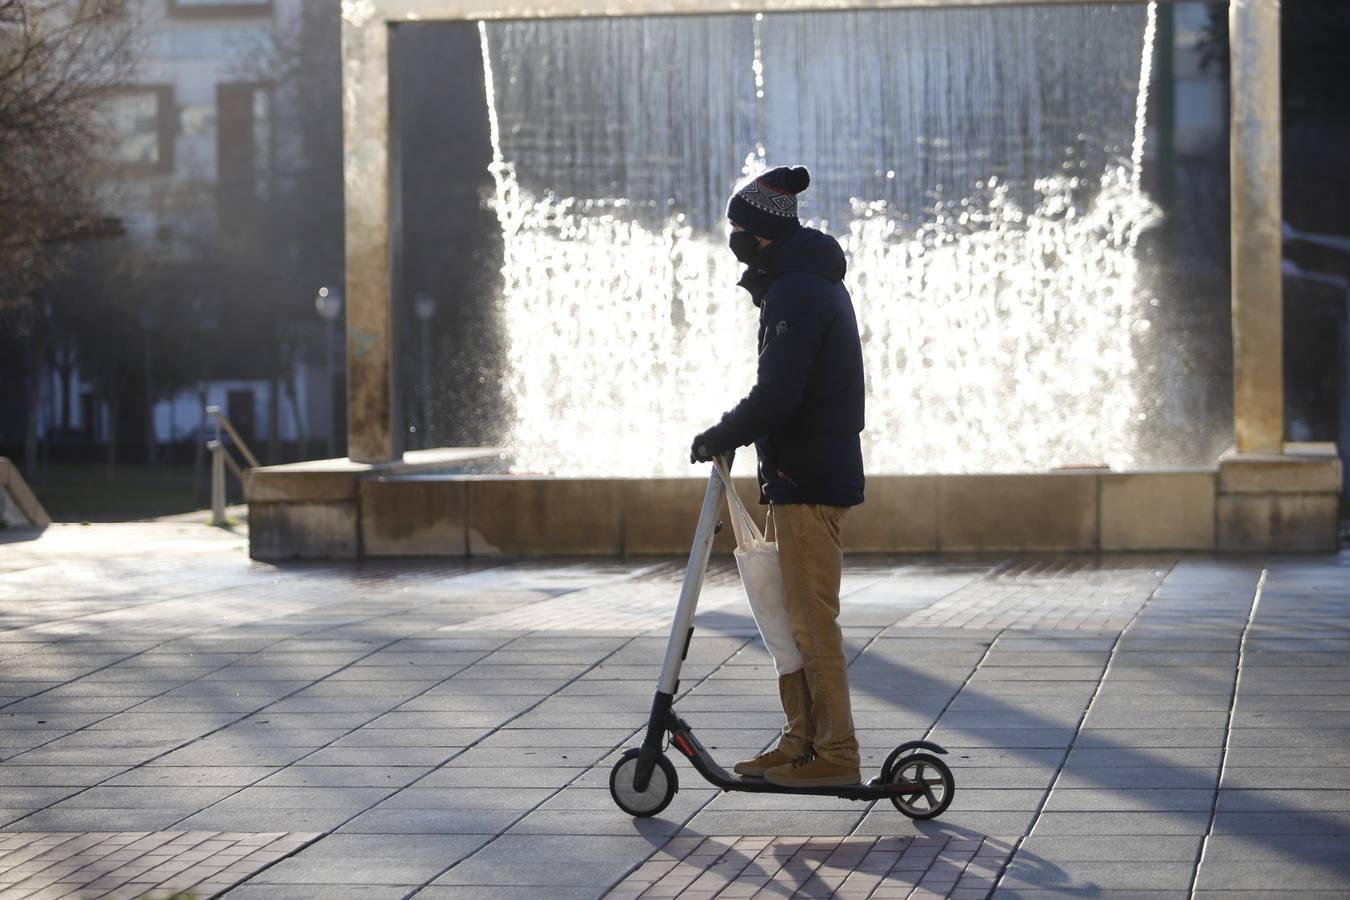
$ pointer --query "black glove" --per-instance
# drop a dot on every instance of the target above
(701, 450)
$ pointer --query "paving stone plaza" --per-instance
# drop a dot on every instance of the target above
(176, 717)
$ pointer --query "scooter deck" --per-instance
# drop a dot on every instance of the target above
(682, 739)
(862, 791)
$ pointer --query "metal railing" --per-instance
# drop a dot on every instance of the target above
(222, 457)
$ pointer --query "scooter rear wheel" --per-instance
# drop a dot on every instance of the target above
(660, 790)
(939, 787)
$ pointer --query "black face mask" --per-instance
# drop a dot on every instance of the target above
(744, 245)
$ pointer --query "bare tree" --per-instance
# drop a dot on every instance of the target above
(56, 58)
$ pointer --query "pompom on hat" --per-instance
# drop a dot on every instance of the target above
(766, 205)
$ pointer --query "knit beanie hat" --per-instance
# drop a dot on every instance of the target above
(766, 205)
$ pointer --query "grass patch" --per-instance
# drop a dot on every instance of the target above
(94, 492)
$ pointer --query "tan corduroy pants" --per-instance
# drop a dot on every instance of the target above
(815, 699)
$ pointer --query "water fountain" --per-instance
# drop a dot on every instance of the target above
(1016, 367)
(982, 174)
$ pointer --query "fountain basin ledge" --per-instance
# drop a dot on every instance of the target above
(337, 509)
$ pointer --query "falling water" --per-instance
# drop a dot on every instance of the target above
(980, 168)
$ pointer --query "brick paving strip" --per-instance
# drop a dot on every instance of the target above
(1159, 727)
(116, 865)
(844, 867)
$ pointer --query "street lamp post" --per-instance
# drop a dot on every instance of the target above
(328, 304)
(151, 438)
(424, 307)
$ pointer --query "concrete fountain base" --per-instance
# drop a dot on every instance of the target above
(336, 509)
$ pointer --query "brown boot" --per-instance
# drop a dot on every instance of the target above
(798, 731)
(812, 771)
(755, 768)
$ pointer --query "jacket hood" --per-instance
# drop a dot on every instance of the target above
(805, 250)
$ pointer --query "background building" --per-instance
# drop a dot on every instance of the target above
(214, 150)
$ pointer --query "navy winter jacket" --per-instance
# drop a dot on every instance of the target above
(805, 412)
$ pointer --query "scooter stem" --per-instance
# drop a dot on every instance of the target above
(682, 630)
(678, 645)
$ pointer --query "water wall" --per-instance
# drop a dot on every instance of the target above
(981, 168)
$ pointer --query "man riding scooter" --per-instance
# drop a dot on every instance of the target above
(804, 415)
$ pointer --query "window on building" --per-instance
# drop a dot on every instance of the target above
(138, 127)
(224, 43)
(243, 146)
(208, 9)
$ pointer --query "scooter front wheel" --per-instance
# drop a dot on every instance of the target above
(660, 790)
(936, 780)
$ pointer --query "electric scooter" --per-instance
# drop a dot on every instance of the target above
(643, 781)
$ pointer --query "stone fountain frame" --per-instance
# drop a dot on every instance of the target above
(1264, 494)
(373, 218)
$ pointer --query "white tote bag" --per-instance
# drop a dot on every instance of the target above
(762, 577)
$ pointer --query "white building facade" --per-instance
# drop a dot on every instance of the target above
(195, 133)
